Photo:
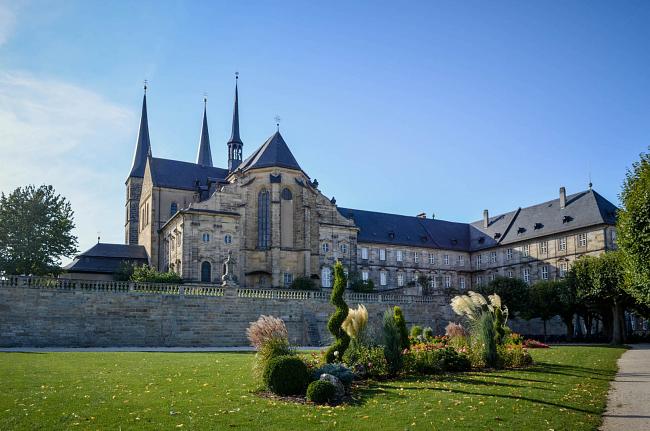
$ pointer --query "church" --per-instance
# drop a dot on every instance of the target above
(269, 216)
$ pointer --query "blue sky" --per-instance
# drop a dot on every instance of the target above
(442, 107)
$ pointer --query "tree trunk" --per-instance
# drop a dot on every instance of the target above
(544, 330)
(568, 322)
(617, 327)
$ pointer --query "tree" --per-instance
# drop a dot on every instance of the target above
(568, 305)
(400, 321)
(512, 291)
(149, 274)
(543, 302)
(35, 231)
(341, 338)
(633, 228)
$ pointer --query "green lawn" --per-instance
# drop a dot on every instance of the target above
(566, 390)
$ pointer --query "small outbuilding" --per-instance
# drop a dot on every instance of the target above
(103, 261)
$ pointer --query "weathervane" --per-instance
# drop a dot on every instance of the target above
(205, 98)
(277, 121)
(236, 75)
(145, 86)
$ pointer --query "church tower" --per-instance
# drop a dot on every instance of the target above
(235, 144)
(204, 156)
(134, 181)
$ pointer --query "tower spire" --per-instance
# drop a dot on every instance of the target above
(204, 156)
(143, 145)
(235, 143)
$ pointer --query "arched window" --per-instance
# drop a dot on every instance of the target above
(286, 195)
(326, 277)
(173, 208)
(206, 272)
(263, 219)
(227, 239)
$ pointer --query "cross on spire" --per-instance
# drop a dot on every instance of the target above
(277, 121)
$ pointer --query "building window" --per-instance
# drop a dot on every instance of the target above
(206, 272)
(205, 237)
(343, 247)
(432, 282)
(400, 279)
(382, 278)
(263, 219)
(563, 268)
(432, 259)
(446, 258)
(479, 280)
(493, 256)
(461, 282)
(492, 276)
(461, 260)
(398, 255)
(416, 256)
(526, 250)
(325, 247)
(527, 275)
(364, 253)
(382, 254)
(545, 272)
(509, 254)
(326, 277)
(562, 244)
(582, 240)
(509, 273)
(227, 239)
(288, 279)
(173, 208)
(364, 275)
(447, 281)
(543, 247)
(478, 261)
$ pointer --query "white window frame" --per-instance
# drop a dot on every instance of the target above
(432, 259)
(326, 277)
(399, 256)
(461, 260)
(526, 250)
(382, 254)
(561, 244)
(510, 273)
(545, 272)
(325, 247)
(364, 253)
(447, 281)
(383, 278)
(400, 279)
(287, 278)
(461, 282)
(543, 247)
(526, 273)
(479, 280)
(582, 240)
(365, 275)
(479, 260)
(563, 269)
(416, 256)
(446, 259)
(343, 247)
(493, 256)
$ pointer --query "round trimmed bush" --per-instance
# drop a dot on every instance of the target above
(286, 375)
(321, 392)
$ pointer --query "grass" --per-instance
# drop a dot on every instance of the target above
(566, 389)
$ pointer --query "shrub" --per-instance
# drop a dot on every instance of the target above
(266, 328)
(358, 285)
(436, 361)
(321, 392)
(340, 371)
(286, 375)
(272, 348)
(416, 331)
(149, 274)
(369, 359)
(400, 321)
(514, 356)
(341, 338)
(427, 333)
(392, 343)
(303, 283)
(513, 338)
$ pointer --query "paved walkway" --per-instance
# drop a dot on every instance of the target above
(628, 404)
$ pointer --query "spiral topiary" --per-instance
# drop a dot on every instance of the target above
(400, 321)
(341, 338)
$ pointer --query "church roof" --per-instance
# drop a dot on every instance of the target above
(143, 144)
(274, 152)
(584, 209)
(175, 174)
(107, 258)
(204, 156)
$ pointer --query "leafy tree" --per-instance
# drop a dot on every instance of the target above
(341, 338)
(35, 231)
(149, 274)
(633, 227)
(568, 304)
(400, 321)
(543, 302)
(303, 283)
(513, 293)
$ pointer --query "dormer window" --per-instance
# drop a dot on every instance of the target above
(521, 230)
(567, 219)
(391, 235)
(538, 226)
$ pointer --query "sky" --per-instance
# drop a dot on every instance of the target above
(443, 107)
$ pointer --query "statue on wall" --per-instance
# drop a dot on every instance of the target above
(228, 278)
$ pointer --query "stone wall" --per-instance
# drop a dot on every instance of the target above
(72, 313)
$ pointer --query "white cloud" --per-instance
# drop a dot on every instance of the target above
(7, 22)
(53, 132)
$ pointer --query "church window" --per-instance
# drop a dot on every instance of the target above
(382, 254)
(398, 255)
(173, 208)
(383, 278)
(263, 219)
(364, 275)
(288, 279)
(343, 247)
(400, 279)
(326, 277)
(325, 247)
(227, 239)
(206, 272)
(286, 195)
(364, 252)
(206, 237)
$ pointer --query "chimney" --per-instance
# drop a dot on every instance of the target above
(562, 197)
(486, 218)
(421, 215)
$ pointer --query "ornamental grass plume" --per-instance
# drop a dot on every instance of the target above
(265, 329)
(454, 329)
(356, 322)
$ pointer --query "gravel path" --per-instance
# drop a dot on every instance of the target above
(628, 403)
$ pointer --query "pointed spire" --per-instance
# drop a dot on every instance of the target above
(234, 137)
(143, 145)
(204, 156)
